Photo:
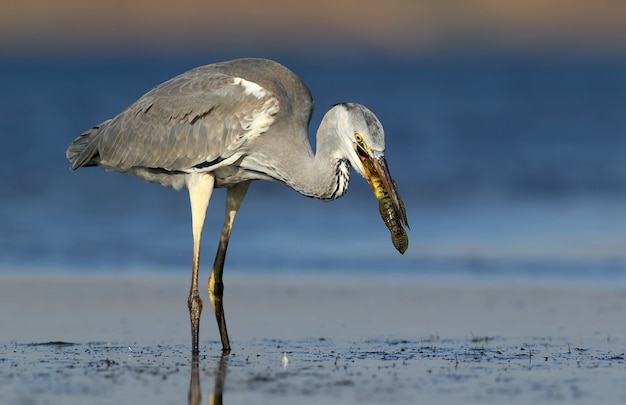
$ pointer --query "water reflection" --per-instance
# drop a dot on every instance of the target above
(194, 396)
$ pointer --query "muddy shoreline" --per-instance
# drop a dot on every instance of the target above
(109, 341)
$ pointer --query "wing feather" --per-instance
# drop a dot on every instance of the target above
(198, 117)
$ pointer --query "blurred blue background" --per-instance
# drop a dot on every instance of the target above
(508, 149)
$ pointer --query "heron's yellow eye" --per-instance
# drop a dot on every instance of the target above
(358, 137)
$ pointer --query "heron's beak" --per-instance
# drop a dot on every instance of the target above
(390, 203)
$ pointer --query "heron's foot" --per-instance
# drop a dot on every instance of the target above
(194, 303)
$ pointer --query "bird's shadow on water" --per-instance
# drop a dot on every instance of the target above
(194, 396)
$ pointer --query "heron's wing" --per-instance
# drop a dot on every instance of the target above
(199, 118)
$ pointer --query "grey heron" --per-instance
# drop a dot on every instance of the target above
(226, 124)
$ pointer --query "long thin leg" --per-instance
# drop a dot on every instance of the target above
(200, 187)
(234, 197)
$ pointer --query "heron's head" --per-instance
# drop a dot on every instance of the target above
(364, 143)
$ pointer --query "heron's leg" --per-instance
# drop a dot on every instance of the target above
(200, 187)
(234, 197)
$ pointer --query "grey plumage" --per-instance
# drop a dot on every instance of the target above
(197, 118)
(226, 124)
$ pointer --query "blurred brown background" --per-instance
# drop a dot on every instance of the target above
(399, 26)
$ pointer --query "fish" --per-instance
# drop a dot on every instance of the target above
(394, 221)
(390, 204)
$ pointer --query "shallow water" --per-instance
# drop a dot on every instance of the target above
(503, 161)
(107, 341)
(511, 169)
(433, 370)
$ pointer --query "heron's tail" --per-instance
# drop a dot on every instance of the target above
(84, 150)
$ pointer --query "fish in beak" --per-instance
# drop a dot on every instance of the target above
(390, 203)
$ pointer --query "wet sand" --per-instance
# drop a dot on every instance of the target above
(126, 340)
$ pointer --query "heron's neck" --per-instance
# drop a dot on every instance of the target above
(326, 174)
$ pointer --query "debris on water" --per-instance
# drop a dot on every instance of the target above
(285, 360)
